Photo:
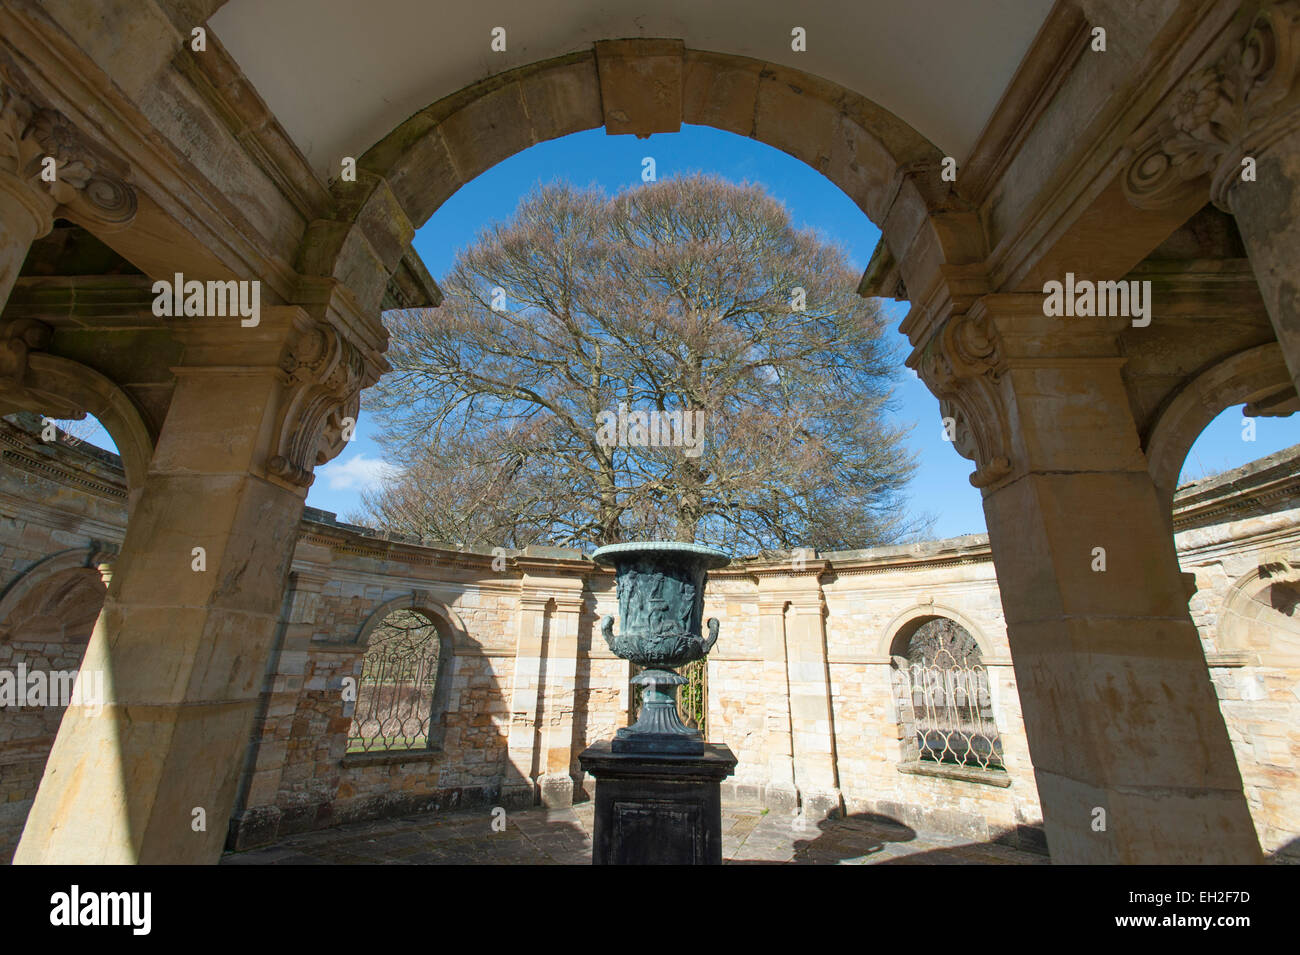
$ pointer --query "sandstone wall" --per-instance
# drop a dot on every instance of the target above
(1240, 536)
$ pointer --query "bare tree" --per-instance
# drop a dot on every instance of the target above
(674, 361)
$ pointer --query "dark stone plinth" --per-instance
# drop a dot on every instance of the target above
(658, 808)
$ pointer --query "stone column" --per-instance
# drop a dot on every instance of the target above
(811, 722)
(556, 784)
(195, 597)
(1268, 216)
(772, 695)
(519, 787)
(540, 748)
(1132, 759)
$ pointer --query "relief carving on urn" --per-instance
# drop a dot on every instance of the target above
(661, 608)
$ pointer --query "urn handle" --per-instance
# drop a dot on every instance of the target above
(713, 634)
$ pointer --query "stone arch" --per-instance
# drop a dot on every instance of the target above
(889, 170)
(1249, 376)
(945, 707)
(909, 621)
(435, 610)
(1260, 615)
(61, 387)
(60, 608)
(45, 589)
(451, 633)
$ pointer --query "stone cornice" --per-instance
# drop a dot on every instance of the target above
(1060, 41)
(1242, 504)
(52, 472)
(168, 182)
(217, 79)
(882, 278)
(932, 563)
(1081, 175)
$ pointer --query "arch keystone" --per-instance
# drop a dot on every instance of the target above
(641, 85)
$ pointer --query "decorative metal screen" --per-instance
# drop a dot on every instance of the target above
(394, 703)
(692, 699)
(944, 704)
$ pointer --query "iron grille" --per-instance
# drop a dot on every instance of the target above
(946, 711)
(394, 703)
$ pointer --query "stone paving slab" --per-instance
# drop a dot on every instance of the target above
(751, 836)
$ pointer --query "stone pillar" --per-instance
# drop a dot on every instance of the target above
(811, 721)
(1268, 216)
(25, 215)
(257, 816)
(540, 748)
(519, 787)
(195, 596)
(1132, 759)
(773, 696)
(556, 784)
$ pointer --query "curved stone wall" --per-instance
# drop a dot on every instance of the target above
(799, 685)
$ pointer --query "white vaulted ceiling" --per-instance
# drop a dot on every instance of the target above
(340, 74)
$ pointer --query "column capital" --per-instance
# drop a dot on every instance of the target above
(962, 365)
(970, 363)
(1235, 107)
(320, 373)
(89, 186)
(324, 374)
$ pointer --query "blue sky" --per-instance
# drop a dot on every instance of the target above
(940, 487)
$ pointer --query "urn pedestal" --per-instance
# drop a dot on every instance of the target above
(658, 809)
(658, 799)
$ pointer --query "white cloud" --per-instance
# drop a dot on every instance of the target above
(357, 472)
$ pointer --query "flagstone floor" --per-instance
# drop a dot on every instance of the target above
(563, 837)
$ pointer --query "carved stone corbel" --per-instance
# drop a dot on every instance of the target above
(1237, 107)
(323, 376)
(88, 187)
(962, 366)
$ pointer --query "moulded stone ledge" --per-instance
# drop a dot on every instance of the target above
(983, 777)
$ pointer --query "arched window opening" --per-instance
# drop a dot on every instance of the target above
(944, 705)
(398, 684)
